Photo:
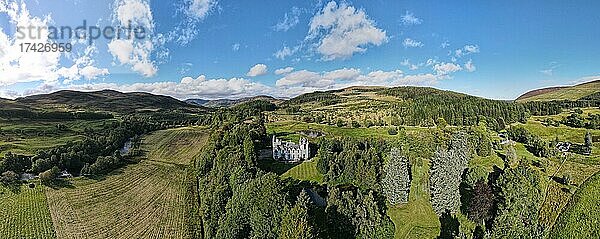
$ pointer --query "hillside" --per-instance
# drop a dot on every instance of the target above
(106, 100)
(575, 92)
(231, 102)
(406, 105)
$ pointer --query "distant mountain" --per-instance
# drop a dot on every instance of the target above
(575, 92)
(106, 100)
(219, 103)
(372, 94)
(199, 102)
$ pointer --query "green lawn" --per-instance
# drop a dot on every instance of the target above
(24, 213)
(306, 171)
(581, 217)
(487, 162)
(416, 219)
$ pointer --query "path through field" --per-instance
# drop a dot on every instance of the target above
(143, 200)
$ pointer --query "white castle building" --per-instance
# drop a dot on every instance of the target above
(289, 151)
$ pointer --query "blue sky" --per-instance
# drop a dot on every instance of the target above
(231, 49)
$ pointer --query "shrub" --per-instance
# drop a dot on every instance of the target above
(9, 178)
(48, 176)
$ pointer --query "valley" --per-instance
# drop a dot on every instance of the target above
(197, 172)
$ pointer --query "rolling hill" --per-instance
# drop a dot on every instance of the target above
(219, 103)
(575, 92)
(106, 100)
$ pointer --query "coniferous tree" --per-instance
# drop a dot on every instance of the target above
(295, 223)
(588, 139)
(396, 181)
(520, 197)
(446, 171)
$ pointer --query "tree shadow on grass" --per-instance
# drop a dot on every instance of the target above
(13, 187)
(449, 226)
(60, 183)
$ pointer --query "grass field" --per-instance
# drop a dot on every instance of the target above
(174, 145)
(142, 200)
(581, 217)
(577, 167)
(416, 219)
(24, 213)
(569, 93)
(306, 171)
(564, 133)
(288, 130)
(27, 137)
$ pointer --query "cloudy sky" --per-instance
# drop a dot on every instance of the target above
(230, 49)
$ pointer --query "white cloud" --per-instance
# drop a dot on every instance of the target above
(285, 52)
(302, 78)
(341, 30)
(410, 19)
(408, 42)
(17, 66)
(134, 52)
(92, 72)
(289, 20)
(586, 79)
(306, 81)
(443, 69)
(431, 62)
(406, 62)
(235, 47)
(284, 71)
(199, 9)
(550, 70)
(445, 44)
(194, 11)
(257, 70)
(136, 11)
(290, 85)
(471, 49)
(342, 74)
(469, 66)
(466, 50)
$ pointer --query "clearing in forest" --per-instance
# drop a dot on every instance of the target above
(175, 145)
(141, 200)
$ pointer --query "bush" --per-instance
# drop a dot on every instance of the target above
(9, 178)
(539, 147)
(102, 165)
(519, 134)
(48, 176)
